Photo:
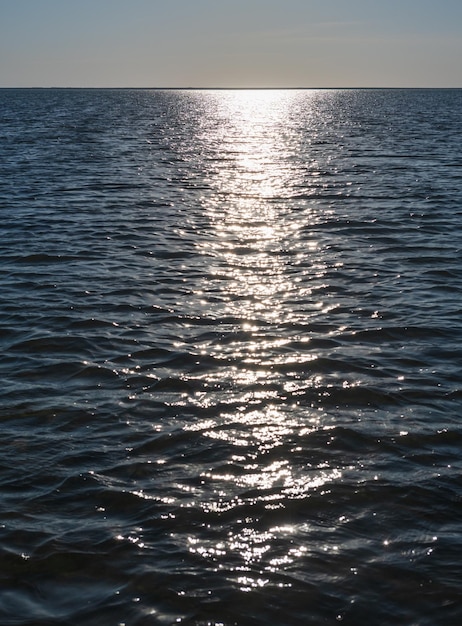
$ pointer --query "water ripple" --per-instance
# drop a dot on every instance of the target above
(230, 325)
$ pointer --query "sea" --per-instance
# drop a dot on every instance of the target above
(231, 352)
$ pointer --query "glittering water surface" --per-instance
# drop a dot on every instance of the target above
(231, 348)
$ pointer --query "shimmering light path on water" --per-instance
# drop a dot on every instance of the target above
(230, 327)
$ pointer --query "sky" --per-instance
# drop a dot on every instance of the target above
(231, 43)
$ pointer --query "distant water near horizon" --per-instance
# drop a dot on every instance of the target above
(231, 341)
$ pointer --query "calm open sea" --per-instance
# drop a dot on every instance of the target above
(231, 334)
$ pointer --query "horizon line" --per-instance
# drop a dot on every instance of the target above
(232, 88)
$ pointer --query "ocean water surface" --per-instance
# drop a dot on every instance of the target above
(230, 325)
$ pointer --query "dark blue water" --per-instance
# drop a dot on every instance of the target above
(231, 341)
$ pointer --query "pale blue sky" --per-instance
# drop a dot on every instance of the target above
(241, 43)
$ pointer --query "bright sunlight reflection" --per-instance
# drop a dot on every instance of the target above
(250, 281)
(251, 226)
